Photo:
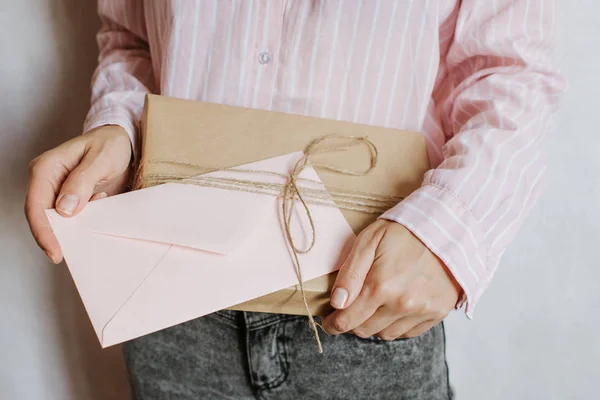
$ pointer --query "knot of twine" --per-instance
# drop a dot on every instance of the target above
(291, 191)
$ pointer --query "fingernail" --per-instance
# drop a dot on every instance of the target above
(102, 195)
(51, 257)
(339, 297)
(68, 203)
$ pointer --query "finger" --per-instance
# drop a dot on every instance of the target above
(79, 186)
(352, 273)
(98, 196)
(41, 193)
(345, 320)
(381, 319)
(420, 329)
(400, 328)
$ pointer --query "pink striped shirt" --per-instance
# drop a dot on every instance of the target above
(475, 77)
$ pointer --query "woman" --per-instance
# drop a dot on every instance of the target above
(475, 77)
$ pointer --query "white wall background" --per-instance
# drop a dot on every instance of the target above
(532, 338)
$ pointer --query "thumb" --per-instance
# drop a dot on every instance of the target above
(79, 186)
(354, 270)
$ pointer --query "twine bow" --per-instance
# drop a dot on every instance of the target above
(292, 191)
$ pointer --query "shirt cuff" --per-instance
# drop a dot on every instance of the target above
(444, 224)
(113, 116)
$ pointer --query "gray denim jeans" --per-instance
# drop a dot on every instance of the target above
(243, 355)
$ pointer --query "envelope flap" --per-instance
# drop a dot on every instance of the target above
(106, 269)
(203, 218)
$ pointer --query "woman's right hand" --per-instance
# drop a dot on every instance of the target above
(88, 167)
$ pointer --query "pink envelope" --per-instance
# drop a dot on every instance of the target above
(153, 258)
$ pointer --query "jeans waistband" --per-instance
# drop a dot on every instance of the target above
(254, 320)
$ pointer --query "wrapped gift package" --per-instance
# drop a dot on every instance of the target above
(223, 136)
(231, 209)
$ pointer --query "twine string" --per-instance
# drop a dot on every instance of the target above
(291, 191)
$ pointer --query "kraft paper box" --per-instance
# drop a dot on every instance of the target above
(224, 136)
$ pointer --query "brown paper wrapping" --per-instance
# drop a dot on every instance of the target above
(222, 136)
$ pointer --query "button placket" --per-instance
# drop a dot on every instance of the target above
(266, 52)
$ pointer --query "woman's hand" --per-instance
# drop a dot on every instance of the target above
(391, 285)
(88, 167)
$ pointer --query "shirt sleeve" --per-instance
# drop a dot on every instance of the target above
(124, 73)
(496, 103)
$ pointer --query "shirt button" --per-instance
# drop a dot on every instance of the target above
(264, 57)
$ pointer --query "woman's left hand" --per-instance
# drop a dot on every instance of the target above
(394, 286)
